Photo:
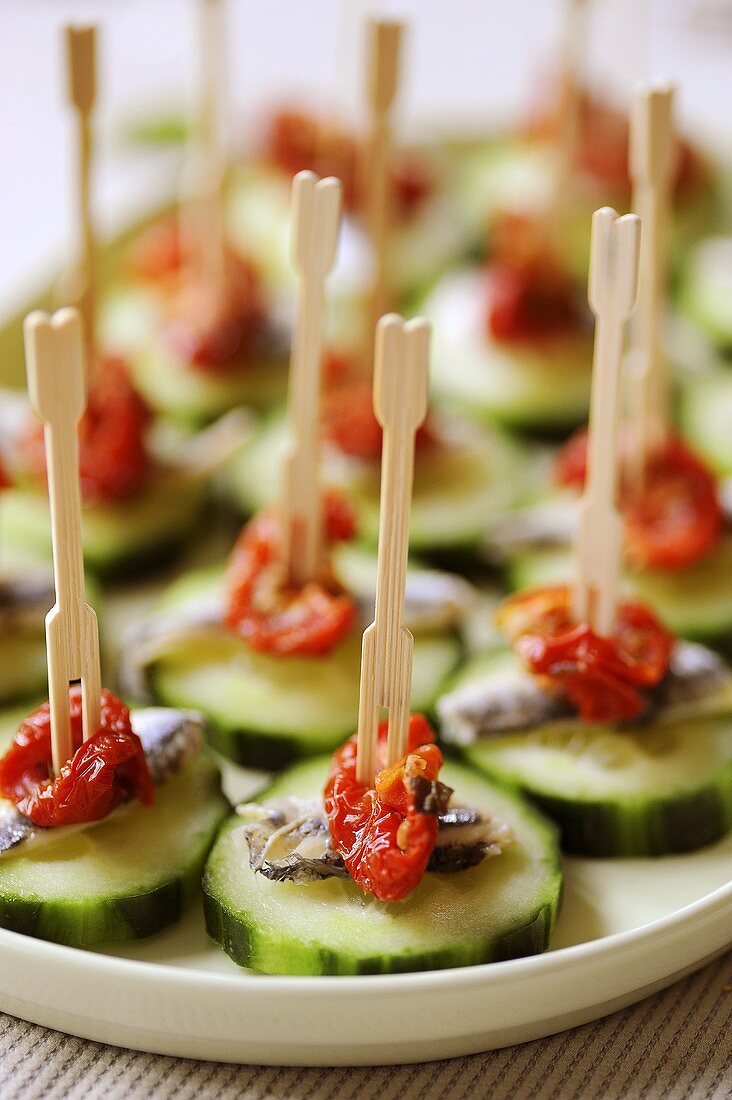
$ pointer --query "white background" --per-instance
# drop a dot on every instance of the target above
(473, 57)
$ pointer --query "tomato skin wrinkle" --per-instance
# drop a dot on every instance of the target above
(274, 619)
(384, 838)
(104, 772)
(675, 520)
(603, 677)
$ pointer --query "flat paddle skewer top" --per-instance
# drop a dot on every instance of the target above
(612, 291)
(56, 385)
(81, 67)
(400, 402)
(383, 71)
(316, 219)
(653, 151)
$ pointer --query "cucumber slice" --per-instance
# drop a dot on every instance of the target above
(543, 387)
(695, 602)
(518, 176)
(636, 791)
(192, 397)
(119, 538)
(456, 489)
(265, 711)
(706, 289)
(705, 415)
(503, 908)
(124, 878)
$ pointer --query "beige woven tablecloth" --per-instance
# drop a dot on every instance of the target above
(673, 1046)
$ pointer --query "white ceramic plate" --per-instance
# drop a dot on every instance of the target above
(627, 928)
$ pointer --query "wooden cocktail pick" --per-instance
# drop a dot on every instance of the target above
(56, 385)
(316, 219)
(400, 402)
(81, 69)
(204, 175)
(652, 158)
(383, 65)
(570, 107)
(612, 290)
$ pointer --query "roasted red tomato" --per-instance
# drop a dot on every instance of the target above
(113, 458)
(217, 329)
(274, 618)
(157, 253)
(105, 771)
(602, 677)
(350, 424)
(603, 146)
(530, 296)
(294, 141)
(5, 482)
(675, 520)
(386, 833)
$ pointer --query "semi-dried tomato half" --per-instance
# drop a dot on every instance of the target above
(674, 520)
(218, 328)
(386, 833)
(105, 771)
(603, 677)
(5, 481)
(677, 518)
(114, 461)
(530, 297)
(294, 141)
(350, 424)
(603, 145)
(157, 254)
(274, 618)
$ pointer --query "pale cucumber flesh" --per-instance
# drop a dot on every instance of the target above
(503, 908)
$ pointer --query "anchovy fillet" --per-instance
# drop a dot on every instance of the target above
(697, 681)
(289, 840)
(170, 739)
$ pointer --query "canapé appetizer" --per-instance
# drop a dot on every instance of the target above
(105, 817)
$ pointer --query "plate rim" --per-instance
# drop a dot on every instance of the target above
(711, 905)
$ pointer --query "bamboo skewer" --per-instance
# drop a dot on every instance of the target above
(612, 290)
(400, 402)
(383, 65)
(82, 84)
(652, 157)
(204, 176)
(568, 133)
(56, 386)
(316, 217)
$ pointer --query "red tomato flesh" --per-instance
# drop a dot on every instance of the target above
(105, 771)
(274, 618)
(384, 836)
(603, 677)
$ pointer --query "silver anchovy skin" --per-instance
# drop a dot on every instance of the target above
(289, 840)
(170, 739)
(517, 702)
